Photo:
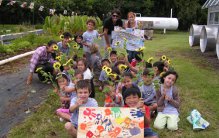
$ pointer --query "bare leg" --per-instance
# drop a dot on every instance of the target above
(71, 129)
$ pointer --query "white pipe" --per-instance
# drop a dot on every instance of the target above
(171, 13)
(15, 57)
(194, 34)
(217, 46)
(208, 38)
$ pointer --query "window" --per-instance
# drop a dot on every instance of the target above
(211, 18)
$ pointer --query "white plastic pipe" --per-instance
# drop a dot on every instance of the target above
(208, 38)
(217, 46)
(161, 22)
(15, 57)
(194, 34)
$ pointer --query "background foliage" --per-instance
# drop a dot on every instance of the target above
(187, 11)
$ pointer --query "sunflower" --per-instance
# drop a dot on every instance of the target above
(55, 47)
(76, 46)
(164, 57)
(109, 49)
(140, 49)
(108, 70)
(112, 75)
(150, 59)
(39, 69)
(169, 61)
(117, 43)
(162, 73)
(61, 37)
(56, 65)
(122, 67)
(104, 68)
(58, 58)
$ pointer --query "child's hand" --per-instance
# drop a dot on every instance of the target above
(79, 101)
(140, 103)
(56, 90)
(164, 92)
(167, 98)
(143, 110)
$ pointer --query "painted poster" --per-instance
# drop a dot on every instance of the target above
(110, 122)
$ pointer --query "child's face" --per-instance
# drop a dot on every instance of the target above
(132, 100)
(78, 39)
(66, 40)
(113, 58)
(127, 82)
(62, 82)
(83, 94)
(155, 70)
(90, 26)
(105, 63)
(169, 80)
(147, 79)
(81, 66)
(131, 18)
(78, 77)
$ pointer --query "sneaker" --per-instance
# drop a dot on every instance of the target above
(61, 119)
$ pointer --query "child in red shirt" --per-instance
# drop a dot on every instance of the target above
(132, 97)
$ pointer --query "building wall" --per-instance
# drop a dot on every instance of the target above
(213, 15)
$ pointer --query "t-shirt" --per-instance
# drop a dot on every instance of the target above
(96, 64)
(103, 76)
(169, 109)
(148, 93)
(64, 50)
(89, 37)
(87, 74)
(108, 23)
(74, 117)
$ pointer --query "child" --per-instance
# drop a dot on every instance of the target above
(132, 97)
(66, 89)
(113, 57)
(78, 75)
(89, 37)
(148, 90)
(95, 63)
(79, 39)
(63, 47)
(87, 75)
(158, 68)
(167, 102)
(112, 98)
(127, 81)
(103, 76)
(82, 100)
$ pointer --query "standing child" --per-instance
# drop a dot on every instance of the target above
(95, 63)
(88, 38)
(132, 97)
(63, 45)
(103, 76)
(82, 100)
(148, 90)
(87, 75)
(167, 102)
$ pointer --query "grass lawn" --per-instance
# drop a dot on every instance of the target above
(198, 84)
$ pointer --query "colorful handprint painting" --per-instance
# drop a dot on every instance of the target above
(110, 122)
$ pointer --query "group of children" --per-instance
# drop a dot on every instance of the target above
(149, 87)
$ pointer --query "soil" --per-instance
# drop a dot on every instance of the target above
(18, 100)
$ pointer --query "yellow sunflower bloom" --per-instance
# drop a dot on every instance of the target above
(140, 49)
(39, 69)
(61, 37)
(122, 67)
(76, 46)
(164, 57)
(104, 67)
(112, 75)
(117, 43)
(150, 59)
(55, 47)
(162, 73)
(109, 49)
(56, 65)
(58, 58)
(169, 61)
(108, 70)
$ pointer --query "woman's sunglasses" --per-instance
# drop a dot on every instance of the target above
(115, 16)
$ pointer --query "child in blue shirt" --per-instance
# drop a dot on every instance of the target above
(82, 100)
